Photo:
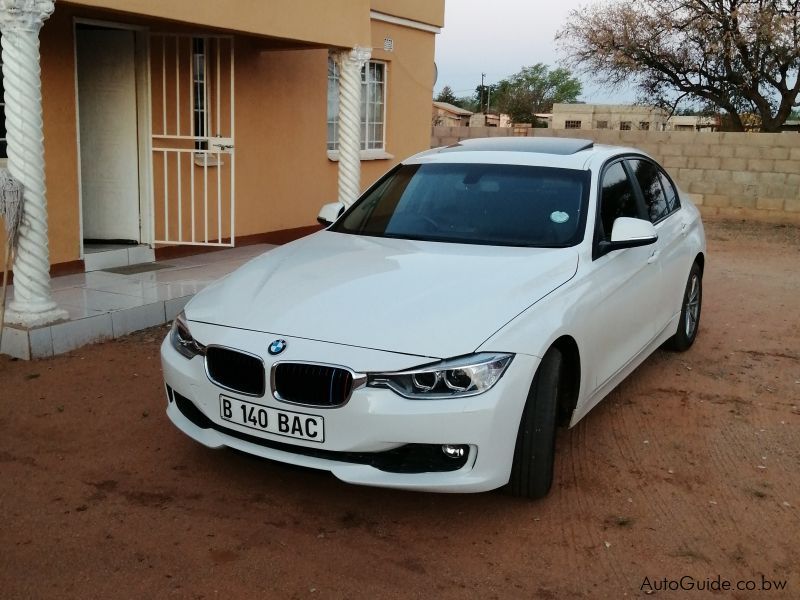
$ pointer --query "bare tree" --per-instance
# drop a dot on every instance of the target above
(740, 56)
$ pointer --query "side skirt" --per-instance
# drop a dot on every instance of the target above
(606, 388)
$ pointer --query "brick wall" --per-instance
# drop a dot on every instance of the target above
(730, 175)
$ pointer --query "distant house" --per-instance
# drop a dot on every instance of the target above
(626, 117)
(545, 119)
(692, 123)
(490, 119)
(450, 115)
(608, 116)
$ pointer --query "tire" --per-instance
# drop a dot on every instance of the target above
(689, 322)
(532, 469)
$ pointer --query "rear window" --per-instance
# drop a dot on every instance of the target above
(507, 205)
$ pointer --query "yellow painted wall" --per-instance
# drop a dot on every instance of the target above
(410, 84)
(60, 137)
(283, 174)
(426, 11)
(329, 22)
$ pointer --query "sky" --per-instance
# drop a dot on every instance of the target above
(499, 37)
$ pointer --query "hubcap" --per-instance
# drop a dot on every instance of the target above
(692, 308)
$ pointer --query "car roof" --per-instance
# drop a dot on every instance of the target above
(568, 153)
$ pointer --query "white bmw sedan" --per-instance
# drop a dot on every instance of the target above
(440, 329)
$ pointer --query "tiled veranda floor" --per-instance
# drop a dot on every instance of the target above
(105, 305)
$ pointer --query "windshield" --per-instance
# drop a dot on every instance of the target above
(502, 205)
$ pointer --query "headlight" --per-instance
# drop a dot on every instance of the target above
(182, 339)
(454, 378)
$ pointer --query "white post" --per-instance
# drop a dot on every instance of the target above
(350, 63)
(20, 23)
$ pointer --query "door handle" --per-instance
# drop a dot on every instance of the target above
(653, 257)
(684, 229)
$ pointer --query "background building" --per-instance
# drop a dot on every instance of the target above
(626, 117)
(449, 115)
(608, 116)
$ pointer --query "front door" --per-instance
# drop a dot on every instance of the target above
(627, 285)
(109, 149)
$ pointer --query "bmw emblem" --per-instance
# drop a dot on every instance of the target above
(277, 347)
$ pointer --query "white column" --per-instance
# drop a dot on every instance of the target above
(20, 23)
(350, 63)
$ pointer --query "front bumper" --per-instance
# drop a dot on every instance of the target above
(373, 421)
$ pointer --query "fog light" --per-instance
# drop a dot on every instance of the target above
(454, 451)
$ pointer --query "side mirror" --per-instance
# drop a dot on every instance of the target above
(329, 213)
(628, 233)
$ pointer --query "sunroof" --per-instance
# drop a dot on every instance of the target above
(561, 146)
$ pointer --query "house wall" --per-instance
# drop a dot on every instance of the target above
(60, 137)
(330, 22)
(729, 175)
(409, 91)
(283, 173)
(425, 11)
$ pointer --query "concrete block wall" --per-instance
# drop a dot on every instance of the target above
(729, 175)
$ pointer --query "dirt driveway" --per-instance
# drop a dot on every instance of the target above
(690, 468)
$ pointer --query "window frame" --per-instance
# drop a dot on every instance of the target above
(332, 146)
(640, 193)
(640, 207)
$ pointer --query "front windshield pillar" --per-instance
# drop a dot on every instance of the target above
(350, 64)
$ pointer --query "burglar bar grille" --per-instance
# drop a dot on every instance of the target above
(192, 97)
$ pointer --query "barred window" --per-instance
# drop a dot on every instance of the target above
(572, 124)
(625, 126)
(373, 105)
(602, 124)
(644, 125)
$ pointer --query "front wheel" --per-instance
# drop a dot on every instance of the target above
(690, 312)
(534, 453)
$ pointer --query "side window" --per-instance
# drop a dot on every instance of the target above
(617, 198)
(655, 200)
(673, 202)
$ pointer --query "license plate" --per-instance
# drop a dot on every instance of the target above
(287, 423)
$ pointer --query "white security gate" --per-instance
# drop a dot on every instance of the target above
(192, 82)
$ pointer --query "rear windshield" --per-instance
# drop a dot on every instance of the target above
(503, 205)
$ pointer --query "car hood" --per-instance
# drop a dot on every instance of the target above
(424, 298)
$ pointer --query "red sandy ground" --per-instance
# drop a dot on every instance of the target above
(689, 468)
